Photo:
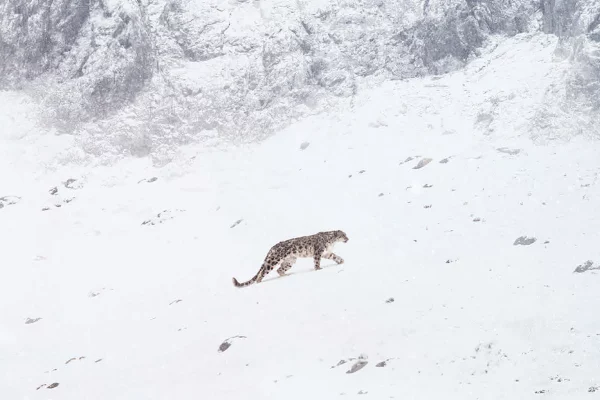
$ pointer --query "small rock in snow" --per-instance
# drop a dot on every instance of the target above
(304, 145)
(422, 163)
(53, 385)
(224, 346)
(506, 150)
(153, 179)
(341, 362)
(236, 223)
(357, 366)
(227, 343)
(586, 266)
(72, 184)
(8, 200)
(390, 300)
(524, 241)
(31, 321)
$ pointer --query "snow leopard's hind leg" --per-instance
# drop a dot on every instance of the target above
(286, 264)
(270, 262)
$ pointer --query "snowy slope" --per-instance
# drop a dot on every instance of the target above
(144, 308)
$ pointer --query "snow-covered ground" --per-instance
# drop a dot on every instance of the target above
(121, 288)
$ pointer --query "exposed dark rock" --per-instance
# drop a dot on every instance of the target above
(357, 366)
(236, 223)
(224, 346)
(228, 342)
(150, 180)
(524, 241)
(586, 266)
(423, 162)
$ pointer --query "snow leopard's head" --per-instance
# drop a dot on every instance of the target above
(340, 236)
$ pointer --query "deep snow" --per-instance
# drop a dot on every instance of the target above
(473, 315)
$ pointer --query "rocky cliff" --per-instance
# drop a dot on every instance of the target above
(138, 77)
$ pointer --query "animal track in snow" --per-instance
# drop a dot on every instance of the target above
(161, 217)
(9, 201)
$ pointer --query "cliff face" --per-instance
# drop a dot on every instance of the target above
(572, 106)
(88, 57)
(136, 76)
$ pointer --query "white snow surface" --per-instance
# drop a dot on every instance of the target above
(143, 309)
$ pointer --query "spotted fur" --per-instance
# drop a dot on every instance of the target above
(316, 246)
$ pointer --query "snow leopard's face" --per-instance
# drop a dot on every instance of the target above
(340, 236)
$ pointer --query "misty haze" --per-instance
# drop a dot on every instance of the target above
(299, 199)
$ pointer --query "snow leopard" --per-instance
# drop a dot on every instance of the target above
(316, 246)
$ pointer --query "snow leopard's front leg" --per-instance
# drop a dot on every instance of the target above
(334, 257)
(318, 254)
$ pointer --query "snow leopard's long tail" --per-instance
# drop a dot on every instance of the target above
(270, 261)
(258, 275)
